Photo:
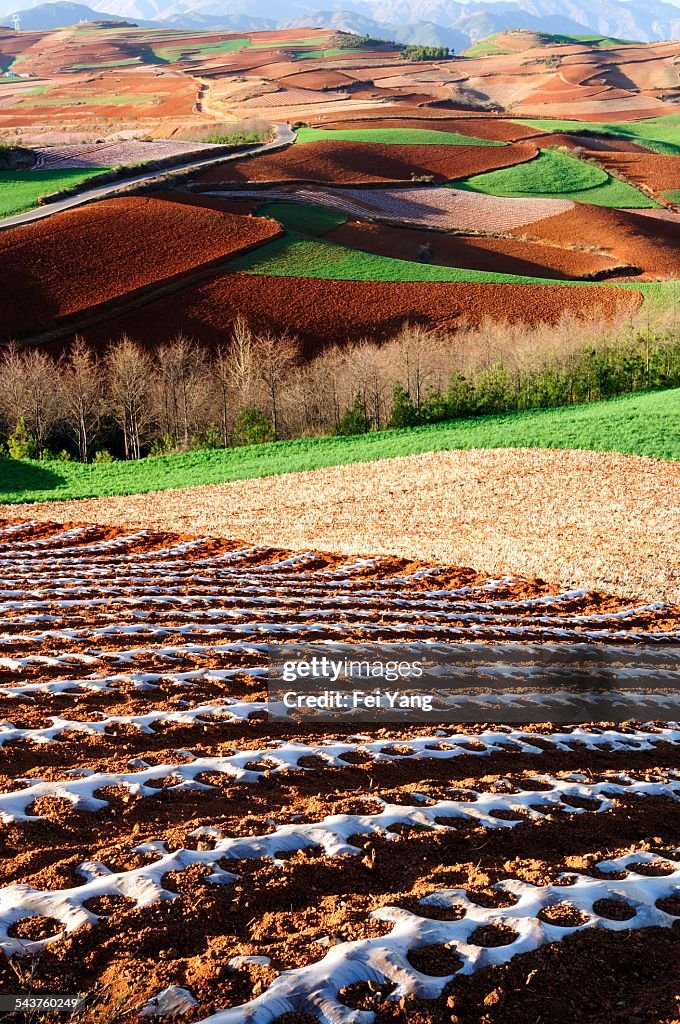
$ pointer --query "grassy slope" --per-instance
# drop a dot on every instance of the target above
(555, 174)
(20, 190)
(321, 54)
(644, 424)
(196, 51)
(297, 256)
(392, 137)
(306, 218)
(660, 134)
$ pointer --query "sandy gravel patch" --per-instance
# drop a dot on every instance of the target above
(585, 519)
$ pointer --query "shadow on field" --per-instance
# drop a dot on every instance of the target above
(17, 476)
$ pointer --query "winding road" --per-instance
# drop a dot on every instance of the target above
(284, 137)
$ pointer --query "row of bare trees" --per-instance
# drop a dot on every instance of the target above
(257, 386)
(172, 397)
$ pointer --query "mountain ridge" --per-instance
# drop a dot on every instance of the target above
(438, 22)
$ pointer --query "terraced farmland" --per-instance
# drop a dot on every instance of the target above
(132, 692)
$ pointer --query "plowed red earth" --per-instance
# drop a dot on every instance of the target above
(104, 664)
(316, 80)
(90, 255)
(323, 312)
(351, 162)
(491, 128)
(499, 255)
(151, 96)
(606, 143)
(651, 243)
(653, 170)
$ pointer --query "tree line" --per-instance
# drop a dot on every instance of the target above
(128, 402)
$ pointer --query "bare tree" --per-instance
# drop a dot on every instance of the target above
(29, 390)
(183, 387)
(242, 360)
(13, 396)
(81, 392)
(275, 358)
(221, 369)
(129, 380)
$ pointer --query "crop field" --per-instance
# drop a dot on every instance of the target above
(554, 173)
(41, 263)
(368, 162)
(406, 869)
(116, 153)
(657, 134)
(21, 190)
(391, 136)
(174, 840)
(496, 255)
(647, 425)
(320, 312)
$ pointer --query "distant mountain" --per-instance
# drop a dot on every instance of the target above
(59, 15)
(442, 22)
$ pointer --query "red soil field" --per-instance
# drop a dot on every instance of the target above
(323, 312)
(605, 143)
(432, 119)
(500, 255)
(316, 80)
(648, 242)
(655, 171)
(200, 760)
(352, 162)
(152, 96)
(90, 255)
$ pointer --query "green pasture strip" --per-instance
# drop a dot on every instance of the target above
(673, 194)
(305, 218)
(485, 47)
(123, 63)
(287, 44)
(660, 135)
(20, 190)
(640, 424)
(197, 51)
(294, 255)
(321, 54)
(133, 99)
(554, 174)
(392, 137)
(603, 41)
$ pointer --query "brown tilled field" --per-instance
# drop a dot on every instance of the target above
(498, 255)
(351, 162)
(174, 841)
(650, 243)
(591, 520)
(322, 312)
(87, 256)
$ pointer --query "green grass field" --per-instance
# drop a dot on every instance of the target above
(674, 195)
(20, 190)
(295, 255)
(303, 41)
(304, 218)
(123, 63)
(133, 99)
(659, 134)
(643, 424)
(392, 137)
(321, 54)
(197, 51)
(485, 47)
(553, 174)
(602, 41)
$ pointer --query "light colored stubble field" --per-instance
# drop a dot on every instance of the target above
(585, 519)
